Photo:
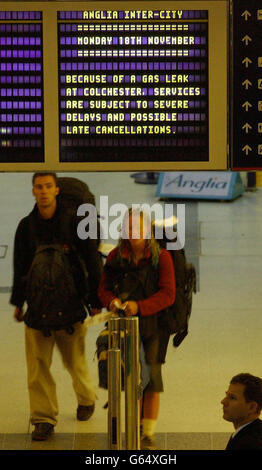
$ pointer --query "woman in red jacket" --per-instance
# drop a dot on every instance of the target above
(139, 277)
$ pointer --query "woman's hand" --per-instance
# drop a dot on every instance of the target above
(130, 308)
(115, 305)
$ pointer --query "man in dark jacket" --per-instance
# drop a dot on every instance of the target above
(44, 226)
(242, 406)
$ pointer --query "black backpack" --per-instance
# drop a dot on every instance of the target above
(176, 318)
(51, 294)
(74, 192)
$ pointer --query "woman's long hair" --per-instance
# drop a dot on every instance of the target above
(151, 242)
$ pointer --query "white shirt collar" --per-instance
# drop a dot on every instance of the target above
(241, 427)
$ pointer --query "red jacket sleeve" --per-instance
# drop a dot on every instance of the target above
(165, 296)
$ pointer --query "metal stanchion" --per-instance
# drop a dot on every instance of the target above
(114, 399)
(114, 385)
(132, 383)
(114, 333)
(132, 394)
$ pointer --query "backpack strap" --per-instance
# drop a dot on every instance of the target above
(64, 220)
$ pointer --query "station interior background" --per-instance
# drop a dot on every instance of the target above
(223, 239)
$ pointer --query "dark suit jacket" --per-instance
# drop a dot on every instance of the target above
(248, 438)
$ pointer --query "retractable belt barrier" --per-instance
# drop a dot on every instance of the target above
(132, 383)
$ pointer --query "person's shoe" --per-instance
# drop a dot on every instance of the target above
(42, 431)
(83, 413)
(148, 443)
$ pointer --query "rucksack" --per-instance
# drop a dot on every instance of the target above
(176, 318)
(73, 193)
(51, 294)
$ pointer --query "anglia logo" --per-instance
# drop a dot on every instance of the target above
(196, 185)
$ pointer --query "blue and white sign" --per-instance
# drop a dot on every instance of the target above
(200, 185)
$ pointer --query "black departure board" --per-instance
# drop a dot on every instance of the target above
(246, 122)
(133, 85)
(120, 86)
(21, 87)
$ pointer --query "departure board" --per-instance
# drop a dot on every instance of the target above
(114, 86)
(21, 87)
(133, 84)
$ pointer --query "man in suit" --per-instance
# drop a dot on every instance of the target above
(242, 406)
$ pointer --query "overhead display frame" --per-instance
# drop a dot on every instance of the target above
(120, 86)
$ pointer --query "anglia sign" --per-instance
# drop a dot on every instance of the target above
(200, 185)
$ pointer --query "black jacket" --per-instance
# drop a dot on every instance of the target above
(248, 438)
(47, 232)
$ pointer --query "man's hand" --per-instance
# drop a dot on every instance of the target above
(19, 314)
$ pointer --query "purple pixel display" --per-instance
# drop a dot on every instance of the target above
(21, 90)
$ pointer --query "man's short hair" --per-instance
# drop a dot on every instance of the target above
(252, 387)
(45, 173)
